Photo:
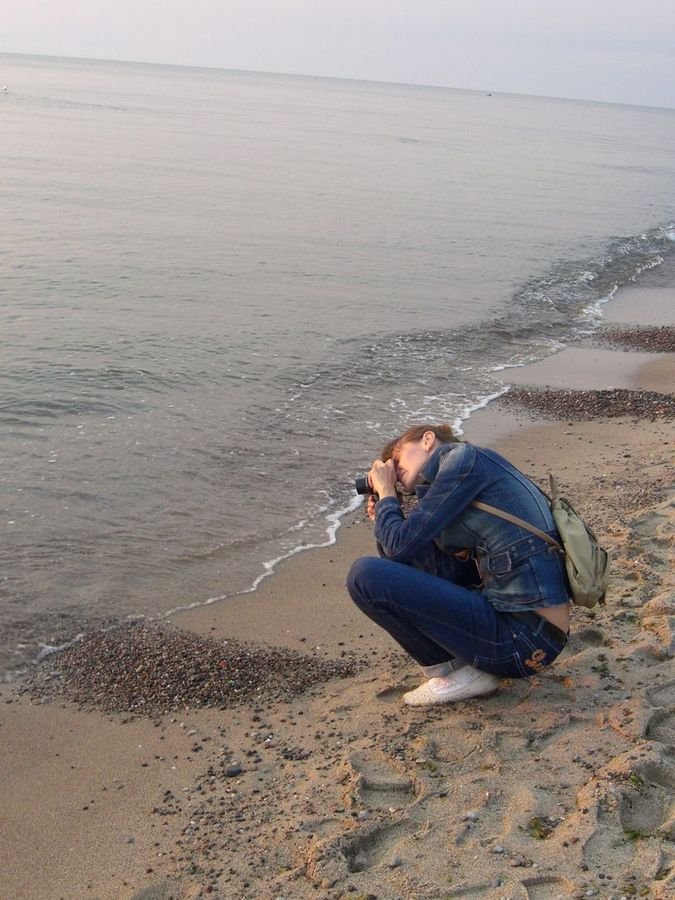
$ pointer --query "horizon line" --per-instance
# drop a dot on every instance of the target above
(213, 68)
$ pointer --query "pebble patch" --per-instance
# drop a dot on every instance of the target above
(592, 404)
(150, 669)
(653, 339)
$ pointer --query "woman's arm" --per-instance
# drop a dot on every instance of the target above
(460, 478)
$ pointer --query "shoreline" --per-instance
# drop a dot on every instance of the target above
(341, 792)
(496, 424)
(489, 421)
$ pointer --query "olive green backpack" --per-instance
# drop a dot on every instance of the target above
(586, 562)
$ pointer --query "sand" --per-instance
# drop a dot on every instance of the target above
(560, 786)
(645, 306)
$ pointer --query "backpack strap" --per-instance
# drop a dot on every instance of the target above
(502, 514)
(553, 482)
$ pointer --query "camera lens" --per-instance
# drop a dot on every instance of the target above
(362, 485)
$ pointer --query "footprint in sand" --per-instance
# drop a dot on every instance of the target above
(509, 742)
(379, 784)
(583, 640)
(588, 637)
(549, 888)
(375, 846)
(357, 851)
(650, 807)
(641, 809)
(656, 527)
(483, 889)
(663, 695)
(391, 692)
(546, 887)
(607, 847)
(648, 812)
(661, 727)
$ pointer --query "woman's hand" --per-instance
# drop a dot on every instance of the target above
(382, 478)
(370, 507)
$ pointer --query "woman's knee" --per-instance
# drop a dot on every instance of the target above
(363, 575)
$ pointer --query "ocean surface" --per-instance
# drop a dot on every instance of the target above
(221, 292)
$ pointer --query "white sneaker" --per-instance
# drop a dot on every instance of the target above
(460, 685)
(440, 670)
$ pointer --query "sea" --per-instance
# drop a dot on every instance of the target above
(221, 292)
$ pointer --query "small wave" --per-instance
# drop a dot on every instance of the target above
(573, 289)
(515, 365)
(468, 411)
(333, 520)
(19, 412)
(46, 650)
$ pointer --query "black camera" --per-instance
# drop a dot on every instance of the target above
(363, 485)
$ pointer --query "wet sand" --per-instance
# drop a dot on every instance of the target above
(560, 786)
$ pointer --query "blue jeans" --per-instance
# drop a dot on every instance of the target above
(436, 620)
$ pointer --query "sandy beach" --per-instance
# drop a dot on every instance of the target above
(308, 777)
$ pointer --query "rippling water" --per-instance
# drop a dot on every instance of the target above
(222, 291)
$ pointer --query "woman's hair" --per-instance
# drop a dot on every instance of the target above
(444, 435)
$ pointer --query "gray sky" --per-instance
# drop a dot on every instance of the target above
(616, 50)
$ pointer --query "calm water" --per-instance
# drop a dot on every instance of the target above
(222, 291)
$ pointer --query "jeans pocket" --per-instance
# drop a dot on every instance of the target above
(535, 652)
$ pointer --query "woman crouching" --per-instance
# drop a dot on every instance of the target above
(471, 597)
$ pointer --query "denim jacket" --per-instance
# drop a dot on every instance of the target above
(516, 570)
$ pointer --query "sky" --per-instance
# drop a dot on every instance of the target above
(620, 51)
